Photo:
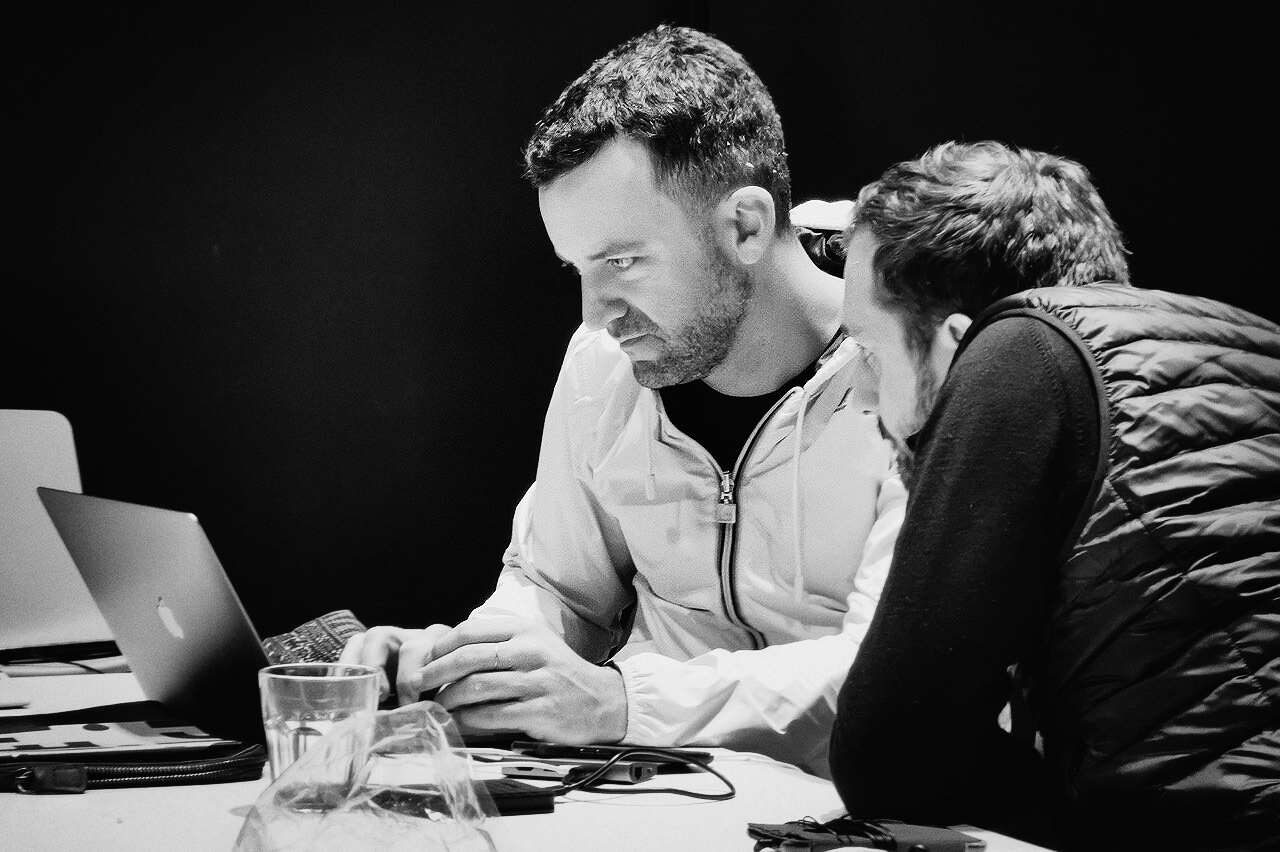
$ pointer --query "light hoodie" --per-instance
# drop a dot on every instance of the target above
(743, 630)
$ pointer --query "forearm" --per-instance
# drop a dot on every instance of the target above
(519, 595)
(926, 758)
(778, 701)
(1002, 474)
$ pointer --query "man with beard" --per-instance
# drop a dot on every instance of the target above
(714, 509)
(1095, 504)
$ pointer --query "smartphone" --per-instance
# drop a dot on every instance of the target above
(668, 759)
(510, 798)
(537, 769)
(622, 772)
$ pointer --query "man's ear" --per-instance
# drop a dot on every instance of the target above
(746, 221)
(946, 339)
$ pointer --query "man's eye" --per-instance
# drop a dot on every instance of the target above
(621, 263)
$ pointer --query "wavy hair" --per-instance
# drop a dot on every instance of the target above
(707, 120)
(969, 223)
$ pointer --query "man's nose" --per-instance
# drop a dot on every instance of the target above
(599, 306)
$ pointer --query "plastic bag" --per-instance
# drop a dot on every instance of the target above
(392, 780)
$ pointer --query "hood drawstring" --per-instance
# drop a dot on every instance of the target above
(831, 364)
(651, 437)
(797, 542)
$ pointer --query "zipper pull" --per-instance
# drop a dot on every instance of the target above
(726, 509)
(53, 778)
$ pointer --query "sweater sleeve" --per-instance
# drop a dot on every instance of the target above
(1004, 463)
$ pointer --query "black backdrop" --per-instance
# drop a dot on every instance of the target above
(279, 268)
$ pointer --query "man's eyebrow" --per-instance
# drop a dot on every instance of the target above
(616, 247)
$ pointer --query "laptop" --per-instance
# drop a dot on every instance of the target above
(44, 606)
(174, 614)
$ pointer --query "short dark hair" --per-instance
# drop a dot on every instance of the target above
(705, 117)
(967, 224)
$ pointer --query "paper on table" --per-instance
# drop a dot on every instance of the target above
(93, 738)
(11, 697)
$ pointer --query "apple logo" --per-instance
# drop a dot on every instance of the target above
(166, 618)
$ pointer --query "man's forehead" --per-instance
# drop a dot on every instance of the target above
(620, 164)
(607, 203)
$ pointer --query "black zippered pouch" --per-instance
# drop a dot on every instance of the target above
(95, 768)
(242, 764)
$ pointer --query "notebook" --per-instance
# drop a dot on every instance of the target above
(44, 602)
(177, 620)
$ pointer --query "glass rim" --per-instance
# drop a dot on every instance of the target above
(282, 670)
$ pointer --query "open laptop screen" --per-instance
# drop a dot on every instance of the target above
(169, 603)
(43, 600)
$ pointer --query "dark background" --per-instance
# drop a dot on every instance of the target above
(278, 265)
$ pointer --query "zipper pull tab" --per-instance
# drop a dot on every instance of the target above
(726, 509)
(53, 778)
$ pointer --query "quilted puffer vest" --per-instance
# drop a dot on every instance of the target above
(1157, 691)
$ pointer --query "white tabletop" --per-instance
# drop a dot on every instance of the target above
(209, 817)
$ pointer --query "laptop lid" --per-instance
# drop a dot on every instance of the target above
(169, 604)
(44, 601)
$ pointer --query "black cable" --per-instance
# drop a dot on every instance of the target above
(595, 776)
(82, 665)
(845, 829)
(16, 668)
(68, 654)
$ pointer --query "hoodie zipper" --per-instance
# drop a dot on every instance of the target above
(726, 515)
(727, 518)
(726, 507)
